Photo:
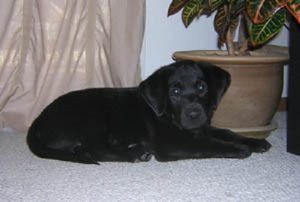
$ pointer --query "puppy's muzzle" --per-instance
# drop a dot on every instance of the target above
(193, 117)
(193, 114)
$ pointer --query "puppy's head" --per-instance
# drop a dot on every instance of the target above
(187, 92)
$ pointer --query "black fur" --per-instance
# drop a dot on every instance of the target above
(167, 115)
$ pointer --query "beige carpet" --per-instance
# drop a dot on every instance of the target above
(273, 176)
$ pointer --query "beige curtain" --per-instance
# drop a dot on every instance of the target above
(50, 47)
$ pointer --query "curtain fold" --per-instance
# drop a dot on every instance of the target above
(50, 47)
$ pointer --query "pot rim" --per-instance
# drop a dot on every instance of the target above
(220, 56)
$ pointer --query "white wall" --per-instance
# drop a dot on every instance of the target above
(165, 35)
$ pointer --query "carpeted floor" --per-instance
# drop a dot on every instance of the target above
(273, 176)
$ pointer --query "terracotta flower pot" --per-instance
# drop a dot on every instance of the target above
(251, 101)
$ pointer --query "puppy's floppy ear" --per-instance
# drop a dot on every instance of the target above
(219, 81)
(154, 89)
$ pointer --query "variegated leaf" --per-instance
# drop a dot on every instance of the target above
(236, 7)
(212, 5)
(233, 25)
(220, 22)
(223, 23)
(176, 5)
(263, 32)
(261, 11)
(192, 9)
(294, 7)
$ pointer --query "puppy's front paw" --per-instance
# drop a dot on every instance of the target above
(145, 157)
(238, 151)
(139, 153)
(260, 146)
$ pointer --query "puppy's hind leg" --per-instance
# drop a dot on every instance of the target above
(73, 153)
(81, 155)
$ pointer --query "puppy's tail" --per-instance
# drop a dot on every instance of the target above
(39, 148)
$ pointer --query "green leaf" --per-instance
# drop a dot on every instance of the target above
(233, 25)
(192, 9)
(263, 32)
(236, 7)
(224, 23)
(212, 5)
(175, 6)
(294, 8)
(220, 22)
(227, 18)
(261, 11)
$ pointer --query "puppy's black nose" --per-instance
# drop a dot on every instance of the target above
(193, 114)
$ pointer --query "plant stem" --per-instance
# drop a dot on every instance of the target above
(242, 39)
(229, 43)
(244, 47)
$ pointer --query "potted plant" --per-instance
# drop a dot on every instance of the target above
(256, 70)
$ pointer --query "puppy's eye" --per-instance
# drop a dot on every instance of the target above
(176, 91)
(201, 87)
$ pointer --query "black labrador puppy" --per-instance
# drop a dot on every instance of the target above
(168, 115)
